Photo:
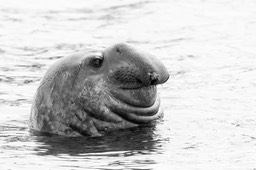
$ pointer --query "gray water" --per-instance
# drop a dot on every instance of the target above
(209, 48)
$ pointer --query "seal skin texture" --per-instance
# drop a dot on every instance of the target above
(91, 93)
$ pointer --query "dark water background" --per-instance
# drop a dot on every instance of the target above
(208, 46)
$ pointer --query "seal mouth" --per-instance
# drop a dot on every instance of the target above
(134, 113)
(143, 96)
(138, 105)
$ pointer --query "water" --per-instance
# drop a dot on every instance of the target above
(209, 100)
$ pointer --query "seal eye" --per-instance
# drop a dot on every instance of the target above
(97, 61)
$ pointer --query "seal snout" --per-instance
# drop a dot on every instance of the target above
(134, 75)
(138, 68)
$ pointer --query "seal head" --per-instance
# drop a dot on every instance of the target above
(93, 92)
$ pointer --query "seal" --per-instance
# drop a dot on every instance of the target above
(91, 93)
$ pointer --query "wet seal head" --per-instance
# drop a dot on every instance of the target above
(90, 93)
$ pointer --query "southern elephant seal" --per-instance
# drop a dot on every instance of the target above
(90, 93)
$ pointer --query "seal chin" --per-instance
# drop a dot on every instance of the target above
(132, 111)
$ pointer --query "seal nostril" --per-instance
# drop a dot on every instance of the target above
(154, 82)
(118, 50)
(153, 78)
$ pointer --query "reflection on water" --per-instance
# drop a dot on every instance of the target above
(117, 148)
(129, 142)
(207, 46)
